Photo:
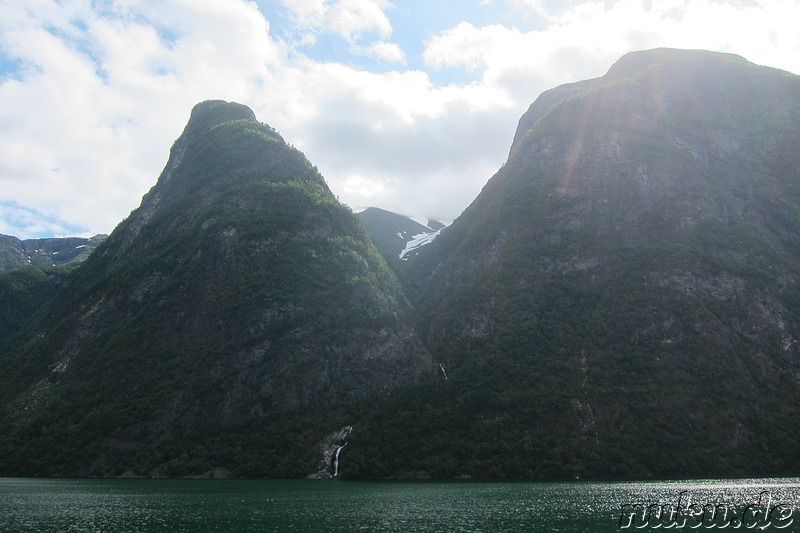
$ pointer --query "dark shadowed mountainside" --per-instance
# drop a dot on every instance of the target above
(216, 327)
(622, 298)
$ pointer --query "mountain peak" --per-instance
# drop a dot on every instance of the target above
(240, 290)
(637, 62)
(645, 224)
(223, 145)
(664, 73)
(211, 113)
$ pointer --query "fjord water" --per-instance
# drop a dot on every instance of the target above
(144, 506)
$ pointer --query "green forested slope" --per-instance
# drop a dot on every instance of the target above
(621, 300)
(622, 297)
(221, 325)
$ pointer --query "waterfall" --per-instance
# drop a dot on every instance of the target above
(444, 372)
(336, 460)
(329, 450)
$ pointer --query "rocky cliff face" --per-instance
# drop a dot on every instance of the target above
(631, 274)
(671, 148)
(239, 289)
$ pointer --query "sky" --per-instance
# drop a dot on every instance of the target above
(407, 105)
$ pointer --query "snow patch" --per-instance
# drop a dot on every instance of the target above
(418, 241)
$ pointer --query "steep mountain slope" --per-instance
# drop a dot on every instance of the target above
(23, 291)
(397, 236)
(390, 231)
(15, 253)
(622, 298)
(221, 325)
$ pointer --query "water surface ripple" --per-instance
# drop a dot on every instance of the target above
(241, 506)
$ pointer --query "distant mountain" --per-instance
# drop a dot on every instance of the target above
(227, 323)
(398, 236)
(31, 271)
(623, 297)
(15, 253)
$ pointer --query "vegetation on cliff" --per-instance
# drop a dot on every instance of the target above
(219, 325)
(622, 299)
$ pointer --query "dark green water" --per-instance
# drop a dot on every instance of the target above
(119, 506)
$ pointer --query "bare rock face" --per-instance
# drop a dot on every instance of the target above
(330, 450)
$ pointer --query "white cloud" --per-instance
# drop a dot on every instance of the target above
(390, 52)
(349, 19)
(383, 139)
(86, 123)
(467, 46)
(86, 126)
(352, 18)
(24, 222)
(307, 13)
(366, 188)
(583, 39)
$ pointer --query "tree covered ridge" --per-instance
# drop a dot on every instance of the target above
(240, 290)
